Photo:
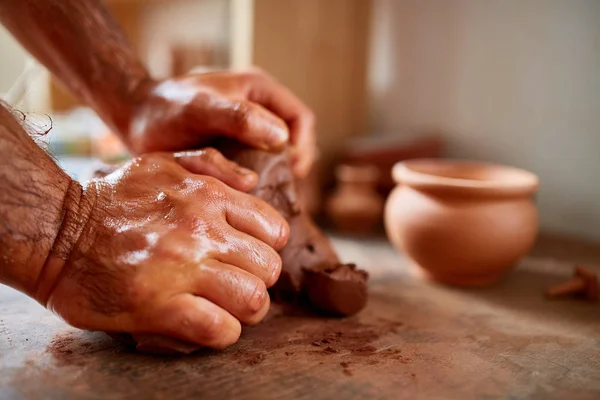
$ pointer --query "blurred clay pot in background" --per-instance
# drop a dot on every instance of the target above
(355, 207)
(384, 152)
(464, 223)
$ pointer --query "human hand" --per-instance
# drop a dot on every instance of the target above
(191, 110)
(167, 252)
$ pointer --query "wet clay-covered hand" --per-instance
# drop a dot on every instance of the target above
(312, 274)
(250, 107)
(163, 251)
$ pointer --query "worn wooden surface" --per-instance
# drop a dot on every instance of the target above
(415, 340)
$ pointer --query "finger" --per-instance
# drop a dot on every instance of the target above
(264, 90)
(235, 290)
(251, 255)
(197, 320)
(211, 162)
(255, 217)
(240, 119)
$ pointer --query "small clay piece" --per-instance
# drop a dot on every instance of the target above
(583, 283)
(355, 207)
(338, 289)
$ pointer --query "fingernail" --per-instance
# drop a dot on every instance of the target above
(243, 171)
(277, 136)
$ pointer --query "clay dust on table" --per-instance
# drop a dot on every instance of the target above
(252, 358)
(75, 347)
(297, 336)
(353, 341)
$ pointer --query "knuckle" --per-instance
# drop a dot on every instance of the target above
(210, 155)
(217, 193)
(213, 327)
(211, 184)
(184, 321)
(242, 116)
(256, 298)
(204, 186)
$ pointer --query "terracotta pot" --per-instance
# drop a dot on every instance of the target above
(355, 207)
(464, 223)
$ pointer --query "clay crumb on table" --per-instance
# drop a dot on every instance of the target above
(253, 358)
(583, 284)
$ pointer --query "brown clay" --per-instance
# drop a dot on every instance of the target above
(463, 223)
(308, 251)
(584, 283)
(355, 206)
(338, 289)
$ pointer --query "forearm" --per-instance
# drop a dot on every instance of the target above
(40, 212)
(81, 44)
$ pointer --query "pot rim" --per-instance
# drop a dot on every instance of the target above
(493, 178)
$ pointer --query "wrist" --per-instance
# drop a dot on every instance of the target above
(77, 206)
(120, 116)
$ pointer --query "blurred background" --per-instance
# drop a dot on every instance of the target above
(515, 82)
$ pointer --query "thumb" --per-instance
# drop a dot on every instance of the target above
(211, 162)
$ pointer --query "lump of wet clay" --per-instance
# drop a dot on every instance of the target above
(312, 274)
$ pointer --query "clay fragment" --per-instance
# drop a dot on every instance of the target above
(337, 289)
(584, 283)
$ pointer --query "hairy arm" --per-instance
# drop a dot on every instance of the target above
(40, 212)
(82, 45)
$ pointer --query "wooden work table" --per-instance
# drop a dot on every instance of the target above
(415, 340)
